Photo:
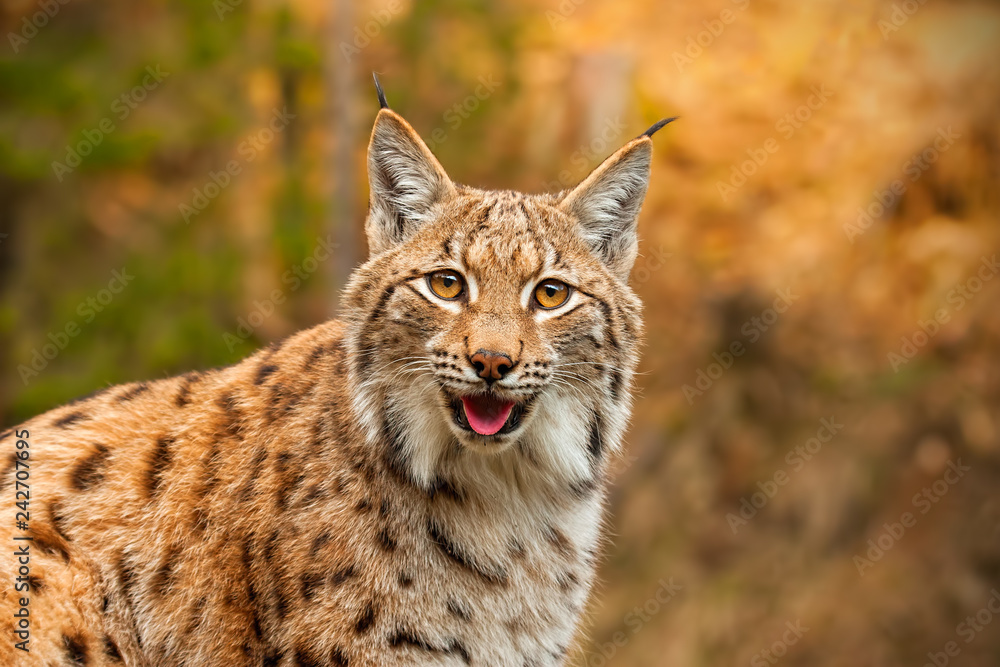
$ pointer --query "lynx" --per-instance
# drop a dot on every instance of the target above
(420, 482)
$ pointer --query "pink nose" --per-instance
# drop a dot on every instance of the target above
(491, 366)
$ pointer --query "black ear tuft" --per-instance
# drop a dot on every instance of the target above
(381, 95)
(658, 126)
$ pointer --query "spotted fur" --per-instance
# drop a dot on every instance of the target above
(318, 503)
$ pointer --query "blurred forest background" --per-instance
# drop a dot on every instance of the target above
(845, 155)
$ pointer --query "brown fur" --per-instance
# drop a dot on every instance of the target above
(316, 504)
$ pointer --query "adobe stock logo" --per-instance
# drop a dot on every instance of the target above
(968, 629)
(923, 502)
(247, 150)
(634, 621)
(957, 298)
(885, 201)
(797, 459)
(38, 20)
(586, 154)
(769, 656)
(696, 44)
(462, 110)
(122, 107)
(786, 126)
(900, 14)
(363, 35)
(294, 278)
(753, 329)
(60, 339)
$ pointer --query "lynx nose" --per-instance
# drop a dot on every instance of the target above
(491, 366)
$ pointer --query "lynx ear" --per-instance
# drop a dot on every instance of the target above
(406, 181)
(607, 203)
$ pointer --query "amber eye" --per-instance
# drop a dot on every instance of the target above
(551, 293)
(446, 284)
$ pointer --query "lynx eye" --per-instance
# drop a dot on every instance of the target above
(446, 284)
(551, 293)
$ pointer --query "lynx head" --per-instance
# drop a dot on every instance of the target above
(494, 324)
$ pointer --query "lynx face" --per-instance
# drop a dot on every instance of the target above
(505, 303)
(497, 309)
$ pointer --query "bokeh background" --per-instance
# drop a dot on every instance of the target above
(797, 119)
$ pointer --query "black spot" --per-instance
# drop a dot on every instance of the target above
(318, 543)
(249, 487)
(51, 545)
(286, 483)
(281, 603)
(406, 638)
(70, 419)
(401, 638)
(443, 487)
(263, 373)
(405, 580)
(75, 649)
(617, 381)
(90, 471)
(126, 576)
(583, 489)
(610, 319)
(199, 522)
(272, 658)
(559, 540)
(159, 461)
(338, 658)
(195, 616)
(111, 650)
(456, 647)
(163, 580)
(458, 555)
(365, 620)
(303, 658)
(258, 631)
(458, 610)
(246, 555)
(184, 394)
(596, 443)
(310, 581)
(58, 521)
(568, 582)
(342, 575)
(527, 216)
(270, 545)
(132, 392)
(314, 356)
(232, 419)
(35, 583)
(385, 539)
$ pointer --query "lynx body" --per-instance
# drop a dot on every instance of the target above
(417, 483)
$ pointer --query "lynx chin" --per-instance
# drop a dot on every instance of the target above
(419, 482)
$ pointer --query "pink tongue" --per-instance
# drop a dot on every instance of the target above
(486, 415)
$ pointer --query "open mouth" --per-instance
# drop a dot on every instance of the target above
(487, 415)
